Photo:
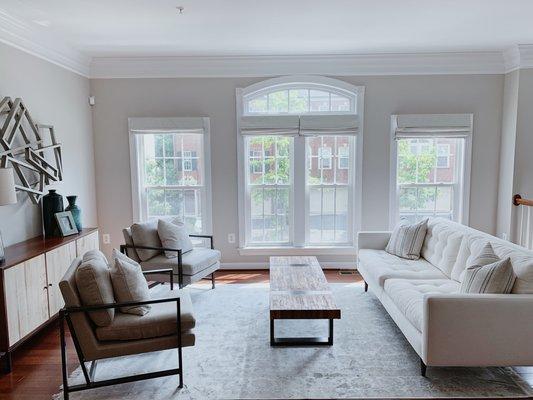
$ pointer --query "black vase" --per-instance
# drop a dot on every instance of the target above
(52, 204)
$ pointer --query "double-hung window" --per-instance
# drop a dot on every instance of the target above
(170, 167)
(430, 166)
(298, 163)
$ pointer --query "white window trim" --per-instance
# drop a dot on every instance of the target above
(135, 153)
(241, 93)
(464, 198)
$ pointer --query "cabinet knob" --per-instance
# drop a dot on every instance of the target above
(49, 284)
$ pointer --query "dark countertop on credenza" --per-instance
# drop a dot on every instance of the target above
(23, 251)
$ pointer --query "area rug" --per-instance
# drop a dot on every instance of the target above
(232, 358)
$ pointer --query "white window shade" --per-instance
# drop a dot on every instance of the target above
(431, 125)
(321, 125)
(285, 125)
(189, 125)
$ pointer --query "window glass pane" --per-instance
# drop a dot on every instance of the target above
(428, 171)
(319, 101)
(278, 102)
(258, 105)
(172, 161)
(326, 159)
(339, 103)
(342, 159)
(156, 202)
(341, 215)
(153, 172)
(173, 171)
(315, 214)
(298, 101)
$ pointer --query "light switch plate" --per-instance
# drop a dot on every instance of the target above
(106, 238)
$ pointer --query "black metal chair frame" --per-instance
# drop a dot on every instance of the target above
(90, 383)
(124, 247)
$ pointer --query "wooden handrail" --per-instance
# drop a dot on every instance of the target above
(519, 201)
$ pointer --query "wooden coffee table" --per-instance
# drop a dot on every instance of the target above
(299, 290)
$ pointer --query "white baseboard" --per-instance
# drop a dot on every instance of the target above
(260, 265)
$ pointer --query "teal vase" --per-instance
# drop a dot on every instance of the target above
(74, 210)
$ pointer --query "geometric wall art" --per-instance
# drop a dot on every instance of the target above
(30, 149)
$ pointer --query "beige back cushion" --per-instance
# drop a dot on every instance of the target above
(82, 325)
(145, 234)
(129, 283)
(94, 286)
(441, 246)
(131, 253)
(174, 235)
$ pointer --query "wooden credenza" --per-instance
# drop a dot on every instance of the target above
(30, 296)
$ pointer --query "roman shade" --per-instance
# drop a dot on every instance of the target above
(318, 125)
(284, 125)
(150, 126)
(430, 125)
(305, 125)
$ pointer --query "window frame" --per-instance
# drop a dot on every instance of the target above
(461, 202)
(158, 125)
(299, 189)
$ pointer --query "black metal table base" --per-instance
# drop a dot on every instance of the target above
(301, 341)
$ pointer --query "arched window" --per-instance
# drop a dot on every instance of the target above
(300, 98)
(298, 163)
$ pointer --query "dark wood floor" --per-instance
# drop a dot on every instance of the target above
(37, 364)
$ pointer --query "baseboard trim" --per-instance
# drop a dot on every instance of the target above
(264, 265)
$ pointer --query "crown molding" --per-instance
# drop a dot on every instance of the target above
(518, 57)
(36, 41)
(249, 66)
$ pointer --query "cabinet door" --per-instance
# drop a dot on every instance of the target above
(15, 292)
(57, 263)
(26, 297)
(86, 243)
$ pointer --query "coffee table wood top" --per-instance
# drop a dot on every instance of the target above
(298, 289)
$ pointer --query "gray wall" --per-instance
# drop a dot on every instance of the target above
(118, 99)
(58, 97)
(507, 155)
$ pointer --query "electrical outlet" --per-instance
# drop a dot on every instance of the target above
(231, 238)
(106, 238)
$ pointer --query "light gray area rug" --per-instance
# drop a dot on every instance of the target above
(232, 358)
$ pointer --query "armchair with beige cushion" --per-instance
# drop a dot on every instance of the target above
(168, 325)
(143, 244)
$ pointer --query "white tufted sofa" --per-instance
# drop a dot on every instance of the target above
(445, 327)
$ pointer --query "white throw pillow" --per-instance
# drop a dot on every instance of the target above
(174, 235)
(487, 273)
(406, 240)
(129, 283)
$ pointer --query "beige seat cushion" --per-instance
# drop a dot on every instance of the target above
(193, 262)
(408, 295)
(94, 286)
(160, 321)
(129, 283)
(145, 234)
(380, 266)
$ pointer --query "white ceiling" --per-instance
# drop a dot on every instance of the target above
(274, 27)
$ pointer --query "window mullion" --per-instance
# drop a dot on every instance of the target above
(299, 206)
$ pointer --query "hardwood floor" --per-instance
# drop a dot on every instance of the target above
(37, 364)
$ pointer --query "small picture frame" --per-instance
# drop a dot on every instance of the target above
(66, 223)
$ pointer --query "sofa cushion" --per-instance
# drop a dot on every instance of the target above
(380, 266)
(408, 295)
(160, 321)
(145, 234)
(406, 239)
(193, 262)
(441, 246)
(129, 283)
(471, 246)
(495, 278)
(94, 286)
(174, 235)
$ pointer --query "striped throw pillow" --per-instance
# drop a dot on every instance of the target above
(406, 240)
(488, 274)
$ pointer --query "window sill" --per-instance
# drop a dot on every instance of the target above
(297, 251)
